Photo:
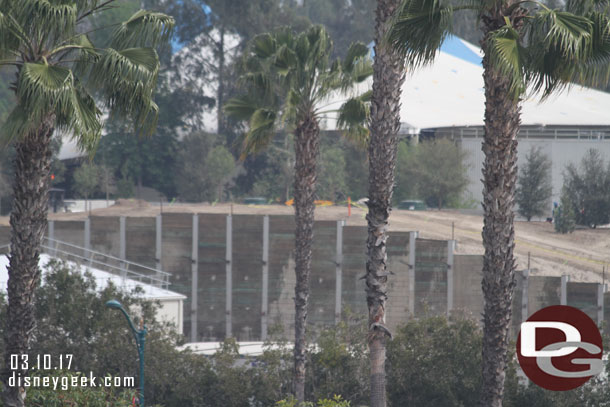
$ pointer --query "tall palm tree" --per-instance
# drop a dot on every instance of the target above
(56, 68)
(289, 79)
(384, 123)
(527, 47)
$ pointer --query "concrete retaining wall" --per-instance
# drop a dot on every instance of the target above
(238, 272)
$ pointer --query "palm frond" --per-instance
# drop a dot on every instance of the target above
(562, 47)
(11, 35)
(288, 76)
(82, 120)
(353, 115)
(261, 131)
(241, 107)
(583, 7)
(561, 30)
(260, 84)
(143, 29)
(302, 49)
(355, 52)
(284, 60)
(594, 69)
(264, 46)
(357, 67)
(59, 18)
(507, 56)
(418, 29)
(127, 79)
(44, 89)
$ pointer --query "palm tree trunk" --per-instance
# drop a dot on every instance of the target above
(388, 77)
(307, 139)
(502, 120)
(28, 224)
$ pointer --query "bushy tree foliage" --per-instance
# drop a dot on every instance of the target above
(406, 180)
(87, 179)
(587, 188)
(432, 170)
(423, 354)
(204, 166)
(332, 179)
(534, 186)
(220, 166)
(564, 217)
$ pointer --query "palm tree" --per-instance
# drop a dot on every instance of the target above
(56, 66)
(289, 78)
(531, 48)
(388, 77)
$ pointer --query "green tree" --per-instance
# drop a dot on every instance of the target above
(406, 184)
(198, 180)
(57, 65)
(564, 216)
(139, 161)
(439, 171)
(534, 48)
(222, 27)
(388, 77)
(73, 319)
(587, 189)
(87, 180)
(191, 178)
(332, 177)
(274, 180)
(220, 166)
(345, 20)
(534, 186)
(424, 352)
(289, 78)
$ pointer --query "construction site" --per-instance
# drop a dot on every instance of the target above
(234, 263)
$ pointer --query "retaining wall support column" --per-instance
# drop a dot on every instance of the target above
(229, 275)
(564, 290)
(265, 299)
(411, 264)
(194, 277)
(339, 271)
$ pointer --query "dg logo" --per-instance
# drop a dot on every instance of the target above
(560, 348)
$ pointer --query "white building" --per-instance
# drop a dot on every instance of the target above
(171, 309)
(446, 99)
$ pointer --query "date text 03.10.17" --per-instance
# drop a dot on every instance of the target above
(41, 362)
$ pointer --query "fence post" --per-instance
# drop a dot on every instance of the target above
(450, 252)
(158, 242)
(51, 231)
(411, 265)
(525, 296)
(122, 245)
(265, 299)
(229, 275)
(339, 271)
(564, 289)
(88, 239)
(600, 304)
(194, 277)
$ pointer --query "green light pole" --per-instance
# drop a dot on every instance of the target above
(140, 337)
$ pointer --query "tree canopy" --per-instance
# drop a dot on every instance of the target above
(534, 187)
(587, 189)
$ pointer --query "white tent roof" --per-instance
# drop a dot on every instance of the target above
(449, 92)
(102, 278)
